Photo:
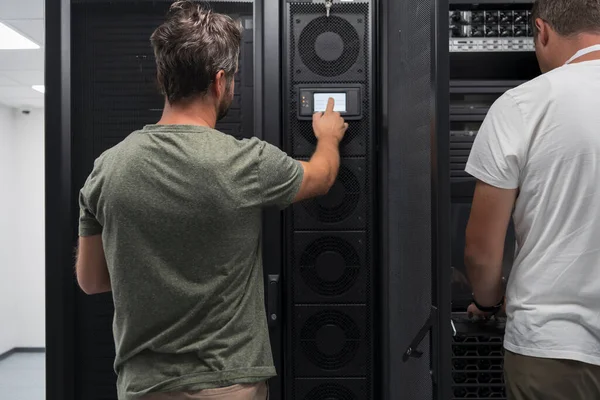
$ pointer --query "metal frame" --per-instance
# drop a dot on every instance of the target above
(441, 338)
(59, 235)
(440, 330)
(268, 127)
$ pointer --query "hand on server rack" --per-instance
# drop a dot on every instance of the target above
(329, 124)
(474, 312)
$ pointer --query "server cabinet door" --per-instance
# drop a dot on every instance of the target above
(114, 93)
(415, 200)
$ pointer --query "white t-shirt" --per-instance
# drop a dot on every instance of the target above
(543, 137)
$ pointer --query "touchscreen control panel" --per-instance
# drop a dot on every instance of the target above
(348, 100)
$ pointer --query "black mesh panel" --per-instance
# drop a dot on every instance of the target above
(330, 238)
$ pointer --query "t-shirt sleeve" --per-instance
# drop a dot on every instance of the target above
(88, 224)
(88, 198)
(497, 156)
(279, 176)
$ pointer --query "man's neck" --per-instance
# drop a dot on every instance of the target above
(583, 41)
(191, 113)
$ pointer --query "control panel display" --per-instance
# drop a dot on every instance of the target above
(321, 100)
(348, 100)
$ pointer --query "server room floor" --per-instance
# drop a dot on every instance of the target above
(22, 377)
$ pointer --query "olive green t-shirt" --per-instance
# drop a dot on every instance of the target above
(179, 210)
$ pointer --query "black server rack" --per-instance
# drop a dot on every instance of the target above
(330, 241)
(491, 51)
(414, 287)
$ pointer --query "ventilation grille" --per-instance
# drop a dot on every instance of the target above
(329, 46)
(330, 49)
(344, 207)
(331, 341)
(330, 267)
(320, 332)
(330, 247)
(477, 367)
(329, 238)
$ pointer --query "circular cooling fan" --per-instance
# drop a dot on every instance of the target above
(329, 266)
(329, 46)
(339, 203)
(330, 339)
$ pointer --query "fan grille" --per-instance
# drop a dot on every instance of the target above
(341, 201)
(310, 274)
(329, 37)
(311, 344)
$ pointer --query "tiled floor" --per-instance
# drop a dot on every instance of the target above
(22, 377)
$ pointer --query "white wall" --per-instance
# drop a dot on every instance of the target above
(29, 129)
(22, 263)
(8, 253)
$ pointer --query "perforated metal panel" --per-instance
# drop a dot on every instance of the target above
(332, 48)
(115, 93)
(331, 341)
(477, 367)
(330, 268)
(344, 207)
(331, 238)
(409, 179)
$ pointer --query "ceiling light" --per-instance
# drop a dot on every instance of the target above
(39, 88)
(12, 40)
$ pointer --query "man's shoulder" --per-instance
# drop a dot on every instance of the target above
(539, 86)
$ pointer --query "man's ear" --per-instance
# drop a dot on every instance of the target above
(543, 30)
(219, 84)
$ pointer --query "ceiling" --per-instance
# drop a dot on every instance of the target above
(20, 69)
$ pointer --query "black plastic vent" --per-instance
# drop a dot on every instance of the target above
(329, 49)
(330, 339)
(329, 46)
(339, 203)
(330, 266)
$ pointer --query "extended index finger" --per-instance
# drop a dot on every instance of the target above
(330, 105)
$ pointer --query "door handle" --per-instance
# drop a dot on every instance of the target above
(273, 300)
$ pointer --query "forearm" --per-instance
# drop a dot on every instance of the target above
(327, 159)
(485, 275)
(90, 267)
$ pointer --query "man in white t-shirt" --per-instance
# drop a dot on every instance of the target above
(537, 157)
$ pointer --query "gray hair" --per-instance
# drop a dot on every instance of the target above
(191, 47)
(568, 17)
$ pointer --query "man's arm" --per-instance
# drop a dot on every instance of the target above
(91, 268)
(486, 233)
(321, 171)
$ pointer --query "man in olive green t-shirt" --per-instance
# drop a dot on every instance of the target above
(170, 223)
